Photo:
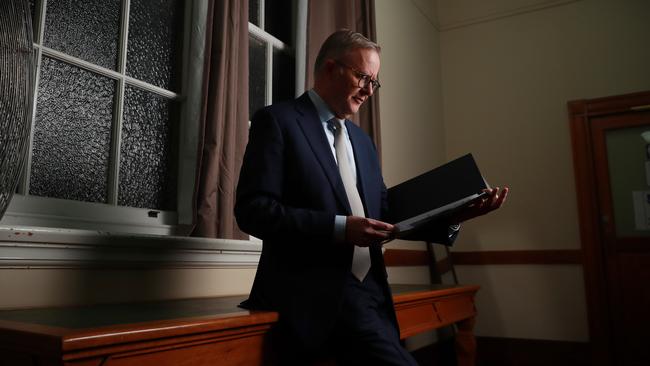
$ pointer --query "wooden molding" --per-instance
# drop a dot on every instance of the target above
(580, 109)
(517, 257)
(406, 257)
(403, 257)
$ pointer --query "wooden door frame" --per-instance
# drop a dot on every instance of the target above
(581, 112)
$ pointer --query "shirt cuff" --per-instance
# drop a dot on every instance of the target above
(453, 229)
(339, 228)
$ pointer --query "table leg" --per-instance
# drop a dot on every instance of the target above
(466, 342)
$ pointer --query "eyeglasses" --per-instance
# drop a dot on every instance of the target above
(364, 79)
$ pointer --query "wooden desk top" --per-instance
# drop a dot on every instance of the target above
(86, 330)
(105, 315)
(94, 316)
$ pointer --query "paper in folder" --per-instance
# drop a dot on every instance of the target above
(435, 194)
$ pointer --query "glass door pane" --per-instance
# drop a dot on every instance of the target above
(628, 157)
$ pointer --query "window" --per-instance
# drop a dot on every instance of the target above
(272, 50)
(107, 113)
(115, 98)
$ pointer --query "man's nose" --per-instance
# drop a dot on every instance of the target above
(368, 89)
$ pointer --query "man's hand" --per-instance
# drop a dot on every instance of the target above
(491, 202)
(363, 231)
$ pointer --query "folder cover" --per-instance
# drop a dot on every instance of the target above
(435, 194)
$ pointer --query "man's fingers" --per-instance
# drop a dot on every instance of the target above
(380, 225)
(504, 194)
(363, 231)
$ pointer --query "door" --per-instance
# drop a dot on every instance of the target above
(622, 162)
(616, 156)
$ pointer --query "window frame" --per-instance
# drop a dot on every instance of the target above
(47, 244)
(38, 211)
(300, 8)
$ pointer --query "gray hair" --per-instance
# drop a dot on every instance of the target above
(339, 43)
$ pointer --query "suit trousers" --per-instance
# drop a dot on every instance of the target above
(365, 334)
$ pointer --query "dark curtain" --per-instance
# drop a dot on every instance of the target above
(323, 19)
(224, 118)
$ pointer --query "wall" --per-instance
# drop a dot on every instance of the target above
(57, 287)
(508, 70)
(410, 102)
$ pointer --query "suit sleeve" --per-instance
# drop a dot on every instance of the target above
(259, 209)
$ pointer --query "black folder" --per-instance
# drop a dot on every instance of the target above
(436, 194)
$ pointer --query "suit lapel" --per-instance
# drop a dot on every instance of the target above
(313, 130)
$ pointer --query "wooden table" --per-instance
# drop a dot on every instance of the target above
(424, 307)
(209, 331)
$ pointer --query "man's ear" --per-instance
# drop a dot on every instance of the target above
(330, 66)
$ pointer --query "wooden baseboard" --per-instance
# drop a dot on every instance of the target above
(441, 353)
(531, 352)
(495, 351)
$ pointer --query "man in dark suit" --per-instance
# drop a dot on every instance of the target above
(311, 188)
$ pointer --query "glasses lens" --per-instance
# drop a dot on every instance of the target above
(365, 80)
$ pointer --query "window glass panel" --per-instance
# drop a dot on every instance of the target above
(283, 76)
(257, 74)
(277, 19)
(254, 12)
(87, 29)
(154, 42)
(146, 171)
(72, 132)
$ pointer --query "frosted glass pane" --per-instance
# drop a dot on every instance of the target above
(72, 133)
(146, 170)
(155, 29)
(87, 29)
(257, 74)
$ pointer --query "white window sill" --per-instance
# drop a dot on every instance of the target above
(31, 247)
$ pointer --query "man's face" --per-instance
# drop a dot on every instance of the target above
(348, 71)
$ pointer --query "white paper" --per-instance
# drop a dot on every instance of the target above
(641, 200)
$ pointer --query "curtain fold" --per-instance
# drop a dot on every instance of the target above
(224, 119)
(325, 17)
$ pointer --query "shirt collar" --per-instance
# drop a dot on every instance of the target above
(324, 112)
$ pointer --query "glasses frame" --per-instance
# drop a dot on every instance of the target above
(364, 79)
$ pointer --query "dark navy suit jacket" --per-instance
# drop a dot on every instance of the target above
(288, 194)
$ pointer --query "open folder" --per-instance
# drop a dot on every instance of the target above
(436, 194)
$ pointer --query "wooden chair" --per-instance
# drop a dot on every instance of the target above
(441, 271)
(441, 267)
